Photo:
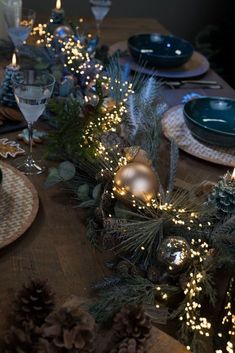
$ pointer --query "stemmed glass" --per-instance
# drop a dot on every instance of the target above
(32, 90)
(20, 25)
(100, 9)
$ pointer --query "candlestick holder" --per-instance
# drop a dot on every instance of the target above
(6, 94)
(57, 18)
(222, 197)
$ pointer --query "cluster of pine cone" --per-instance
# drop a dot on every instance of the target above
(38, 328)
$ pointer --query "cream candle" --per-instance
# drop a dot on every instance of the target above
(13, 66)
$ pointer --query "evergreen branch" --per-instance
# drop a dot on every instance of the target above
(130, 290)
(226, 228)
(107, 282)
(140, 238)
(115, 74)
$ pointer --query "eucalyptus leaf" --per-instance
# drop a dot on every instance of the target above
(83, 192)
(53, 178)
(66, 170)
(57, 72)
(87, 204)
(97, 192)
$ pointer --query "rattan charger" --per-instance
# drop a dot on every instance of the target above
(18, 204)
(175, 128)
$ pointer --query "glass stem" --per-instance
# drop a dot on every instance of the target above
(30, 154)
(98, 24)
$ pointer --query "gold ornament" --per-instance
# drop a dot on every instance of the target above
(175, 253)
(135, 179)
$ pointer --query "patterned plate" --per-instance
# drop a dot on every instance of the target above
(174, 127)
(18, 204)
(196, 66)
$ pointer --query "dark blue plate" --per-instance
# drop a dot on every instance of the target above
(212, 120)
(160, 50)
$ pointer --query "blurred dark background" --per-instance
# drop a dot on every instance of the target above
(208, 24)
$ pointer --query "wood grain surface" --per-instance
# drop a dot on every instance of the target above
(56, 247)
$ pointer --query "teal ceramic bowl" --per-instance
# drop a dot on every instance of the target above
(212, 120)
(160, 50)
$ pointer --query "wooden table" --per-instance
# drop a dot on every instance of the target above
(56, 247)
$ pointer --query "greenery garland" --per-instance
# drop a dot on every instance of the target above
(96, 131)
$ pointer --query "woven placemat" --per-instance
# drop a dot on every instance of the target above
(18, 204)
(174, 127)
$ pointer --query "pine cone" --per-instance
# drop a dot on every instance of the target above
(153, 274)
(123, 268)
(22, 339)
(45, 346)
(107, 202)
(70, 328)
(108, 241)
(110, 139)
(128, 345)
(98, 216)
(111, 235)
(132, 322)
(34, 302)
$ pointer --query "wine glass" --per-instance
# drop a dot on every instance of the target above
(20, 25)
(32, 90)
(100, 8)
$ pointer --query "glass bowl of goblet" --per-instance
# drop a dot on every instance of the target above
(32, 90)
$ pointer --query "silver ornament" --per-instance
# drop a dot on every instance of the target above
(63, 32)
(174, 252)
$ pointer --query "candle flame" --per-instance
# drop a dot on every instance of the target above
(58, 4)
(13, 60)
(233, 175)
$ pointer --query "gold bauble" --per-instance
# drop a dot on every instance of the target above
(135, 179)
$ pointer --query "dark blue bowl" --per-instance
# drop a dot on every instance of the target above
(159, 50)
(212, 120)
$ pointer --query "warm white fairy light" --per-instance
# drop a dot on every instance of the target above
(229, 319)
(76, 58)
(194, 287)
(110, 119)
(164, 295)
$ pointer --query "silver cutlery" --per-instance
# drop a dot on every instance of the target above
(203, 83)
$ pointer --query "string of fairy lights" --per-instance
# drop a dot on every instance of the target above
(75, 56)
(228, 319)
(193, 290)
